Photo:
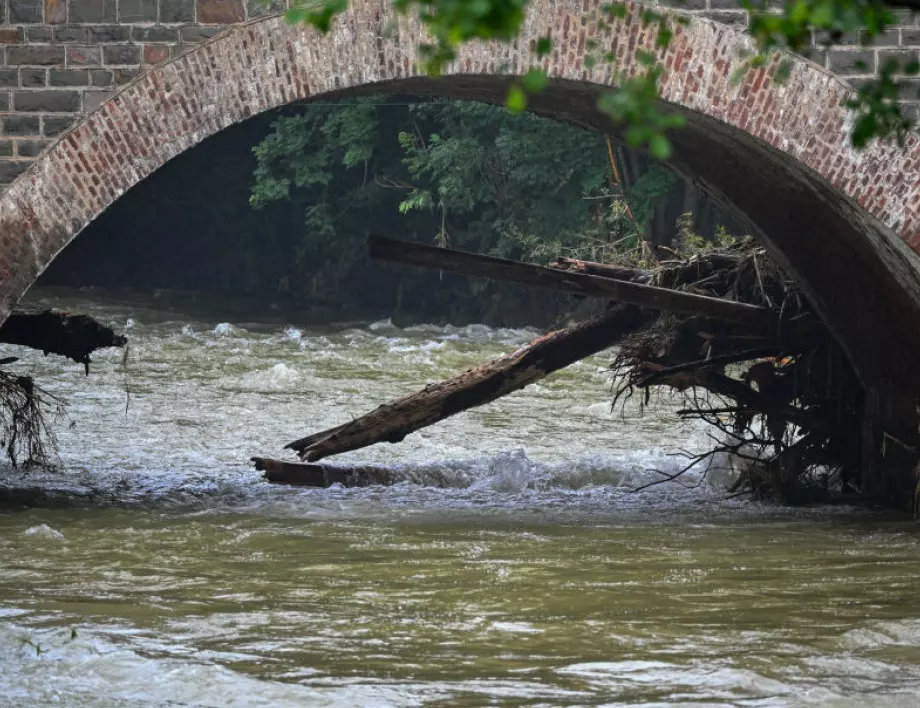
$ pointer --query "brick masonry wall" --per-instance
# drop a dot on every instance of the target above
(59, 59)
(852, 57)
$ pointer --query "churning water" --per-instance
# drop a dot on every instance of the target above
(514, 565)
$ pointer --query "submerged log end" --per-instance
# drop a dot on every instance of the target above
(291, 473)
(74, 336)
(301, 474)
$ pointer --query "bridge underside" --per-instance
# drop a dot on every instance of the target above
(862, 279)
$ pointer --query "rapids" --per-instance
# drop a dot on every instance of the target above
(160, 570)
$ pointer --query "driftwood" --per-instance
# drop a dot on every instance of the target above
(300, 474)
(624, 291)
(605, 270)
(393, 421)
(57, 332)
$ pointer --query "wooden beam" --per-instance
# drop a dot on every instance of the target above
(393, 421)
(648, 296)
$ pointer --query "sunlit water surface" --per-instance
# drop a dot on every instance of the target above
(163, 571)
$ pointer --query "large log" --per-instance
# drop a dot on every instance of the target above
(623, 291)
(604, 270)
(300, 474)
(393, 421)
(58, 332)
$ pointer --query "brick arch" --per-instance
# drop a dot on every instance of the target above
(779, 155)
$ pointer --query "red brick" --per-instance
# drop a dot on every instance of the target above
(55, 12)
(10, 35)
(220, 12)
(155, 54)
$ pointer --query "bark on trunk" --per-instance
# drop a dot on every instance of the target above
(648, 296)
(604, 270)
(532, 362)
(299, 474)
(57, 332)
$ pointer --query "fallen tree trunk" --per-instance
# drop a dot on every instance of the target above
(393, 421)
(58, 332)
(604, 270)
(624, 291)
(300, 474)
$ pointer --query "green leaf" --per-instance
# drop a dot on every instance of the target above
(544, 46)
(516, 101)
(644, 57)
(660, 147)
(535, 80)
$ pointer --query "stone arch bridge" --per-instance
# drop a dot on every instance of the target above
(844, 222)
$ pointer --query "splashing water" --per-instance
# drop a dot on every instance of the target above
(512, 564)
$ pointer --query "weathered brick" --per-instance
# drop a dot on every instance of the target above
(30, 148)
(900, 57)
(818, 56)
(109, 33)
(155, 54)
(904, 17)
(39, 34)
(84, 56)
(888, 38)
(157, 33)
(71, 34)
(20, 125)
(53, 126)
(258, 8)
(34, 55)
(735, 19)
(137, 10)
(4, 101)
(56, 12)
(102, 77)
(6, 148)
(177, 10)
(841, 39)
(11, 169)
(46, 101)
(32, 78)
(68, 77)
(121, 54)
(11, 35)
(25, 11)
(221, 12)
(93, 99)
(689, 4)
(910, 37)
(909, 89)
(93, 11)
(9, 77)
(124, 76)
(857, 61)
(196, 33)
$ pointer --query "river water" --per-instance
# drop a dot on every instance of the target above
(514, 566)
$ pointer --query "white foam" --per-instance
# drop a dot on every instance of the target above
(43, 531)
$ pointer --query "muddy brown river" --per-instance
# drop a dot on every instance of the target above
(161, 570)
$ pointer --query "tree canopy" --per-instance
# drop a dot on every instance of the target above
(469, 175)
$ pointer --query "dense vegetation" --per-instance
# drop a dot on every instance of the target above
(289, 222)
